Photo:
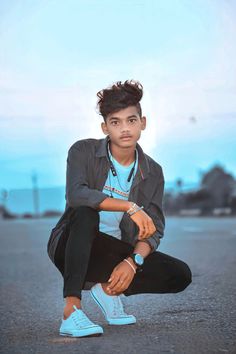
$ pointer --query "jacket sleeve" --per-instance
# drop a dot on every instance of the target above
(78, 192)
(155, 211)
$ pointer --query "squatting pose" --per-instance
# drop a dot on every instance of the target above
(106, 241)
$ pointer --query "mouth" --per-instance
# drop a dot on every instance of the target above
(126, 137)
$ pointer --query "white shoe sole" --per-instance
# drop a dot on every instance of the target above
(96, 332)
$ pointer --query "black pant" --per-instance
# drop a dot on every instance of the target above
(85, 255)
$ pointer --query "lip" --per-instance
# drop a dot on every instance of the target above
(126, 137)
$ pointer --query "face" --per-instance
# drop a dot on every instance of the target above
(124, 127)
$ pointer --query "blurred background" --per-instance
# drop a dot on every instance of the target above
(56, 55)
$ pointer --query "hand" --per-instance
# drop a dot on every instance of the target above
(121, 277)
(145, 224)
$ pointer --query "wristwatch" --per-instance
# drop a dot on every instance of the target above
(138, 260)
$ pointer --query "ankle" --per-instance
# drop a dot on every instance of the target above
(70, 301)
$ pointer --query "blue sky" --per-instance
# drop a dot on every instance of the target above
(56, 55)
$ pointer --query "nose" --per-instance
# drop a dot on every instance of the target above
(124, 128)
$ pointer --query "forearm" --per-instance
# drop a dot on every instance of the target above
(142, 248)
(114, 204)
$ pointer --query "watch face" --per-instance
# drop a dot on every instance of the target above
(138, 259)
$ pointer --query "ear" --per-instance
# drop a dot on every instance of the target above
(104, 128)
(143, 122)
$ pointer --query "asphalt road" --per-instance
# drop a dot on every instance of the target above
(201, 319)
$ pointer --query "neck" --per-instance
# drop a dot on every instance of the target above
(124, 156)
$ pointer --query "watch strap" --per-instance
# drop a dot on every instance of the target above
(139, 267)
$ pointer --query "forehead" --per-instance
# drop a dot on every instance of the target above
(124, 113)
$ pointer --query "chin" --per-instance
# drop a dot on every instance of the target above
(128, 144)
(123, 143)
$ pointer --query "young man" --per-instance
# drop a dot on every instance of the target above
(113, 222)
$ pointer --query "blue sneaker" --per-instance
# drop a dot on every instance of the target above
(111, 306)
(79, 325)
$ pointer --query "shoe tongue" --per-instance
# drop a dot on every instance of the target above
(82, 316)
(79, 312)
(118, 306)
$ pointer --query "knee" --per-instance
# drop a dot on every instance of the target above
(184, 277)
(187, 277)
(85, 214)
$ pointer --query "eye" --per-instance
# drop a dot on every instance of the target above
(132, 120)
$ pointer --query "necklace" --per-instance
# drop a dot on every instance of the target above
(129, 180)
(124, 192)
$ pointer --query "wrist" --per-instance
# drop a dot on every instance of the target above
(144, 246)
(126, 260)
(133, 209)
(132, 261)
(128, 205)
(137, 260)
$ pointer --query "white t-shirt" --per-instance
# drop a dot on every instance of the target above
(109, 220)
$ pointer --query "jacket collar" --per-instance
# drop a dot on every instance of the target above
(143, 164)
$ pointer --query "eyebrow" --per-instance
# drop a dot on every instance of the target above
(117, 118)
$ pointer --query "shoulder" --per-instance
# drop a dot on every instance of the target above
(87, 145)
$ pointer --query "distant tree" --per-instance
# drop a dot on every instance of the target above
(200, 199)
(4, 197)
(169, 204)
(179, 184)
(219, 184)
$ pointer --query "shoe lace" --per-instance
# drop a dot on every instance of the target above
(118, 306)
(81, 319)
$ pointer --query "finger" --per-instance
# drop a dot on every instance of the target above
(153, 229)
(113, 283)
(119, 286)
(142, 238)
(148, 231)
(113, 273)
(125, 285)
(121, 281)
(111, 278)
(143, 234)
(141, 230)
